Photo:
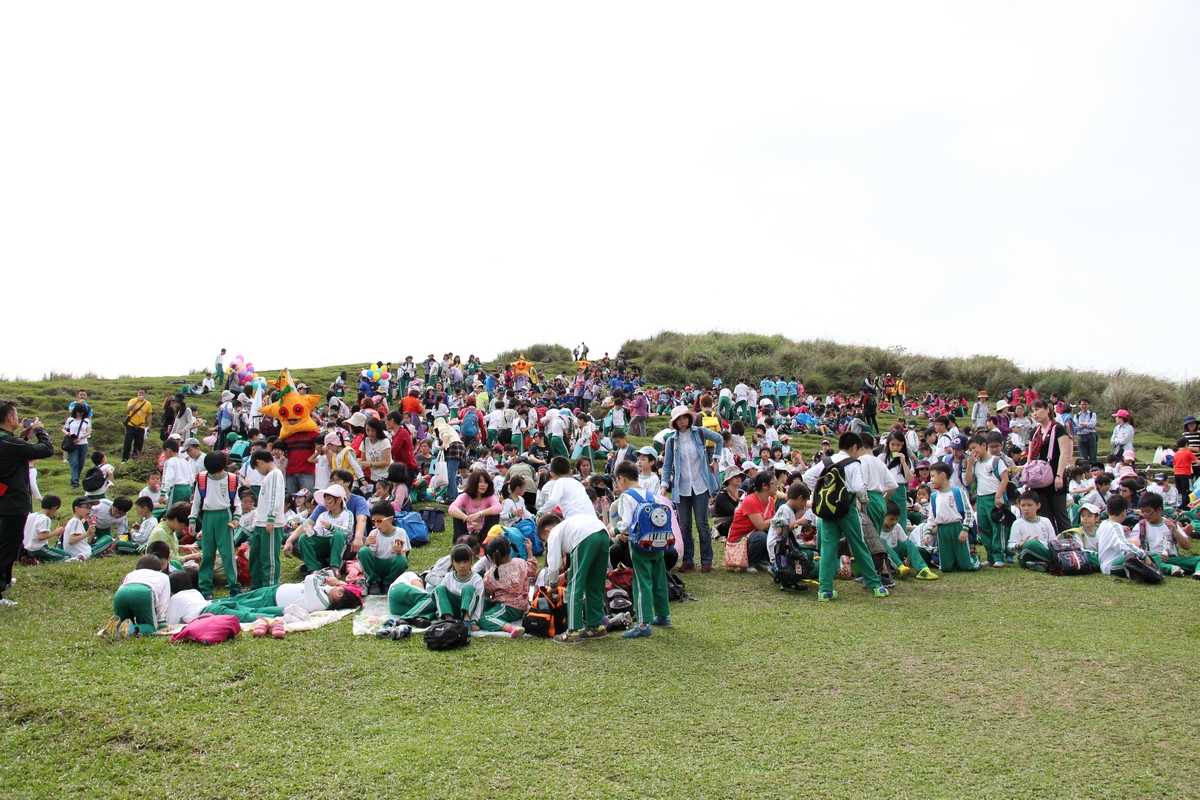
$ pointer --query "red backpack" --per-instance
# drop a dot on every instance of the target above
(202, 486)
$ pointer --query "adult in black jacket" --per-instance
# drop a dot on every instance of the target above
(16, 451)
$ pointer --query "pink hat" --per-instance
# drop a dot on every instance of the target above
(334, 438)
(1123, 414)
(682, 411)
(354, 589)
(333, 491)
(1130, 455)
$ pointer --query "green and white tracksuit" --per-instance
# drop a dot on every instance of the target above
(831, 531)
(311, 594)
(380, 561)
(1031, 542)
(987, 482)
(265, 546)
(587, 541)
(901, 548)
(143, 598)
(327, 540)
(215, 511)
(953, 555)
(650, 596)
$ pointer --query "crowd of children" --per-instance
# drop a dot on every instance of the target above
(513, 452)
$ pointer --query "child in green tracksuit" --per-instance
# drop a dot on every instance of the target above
(40, 532)
(323, 543)
(1031, 535)
(267, 538)
(384, 555)
(213, 504)
(458, 596)
(650, 599)
(140, 605)
(317, 592)
(989, 472)
(585, 539)
(951, 515)
(900, 547)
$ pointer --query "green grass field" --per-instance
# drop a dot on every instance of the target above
(997, 684)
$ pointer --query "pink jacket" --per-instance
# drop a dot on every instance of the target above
(489, 505)
(509, 583)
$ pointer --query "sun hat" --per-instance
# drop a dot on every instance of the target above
(983, 395)
(357, 420)
(1188, 420)
(333, 491)
(1003, 404)
(731, 473)
(681, 411)
(226, 396)
(922, 464)
(1122, 414)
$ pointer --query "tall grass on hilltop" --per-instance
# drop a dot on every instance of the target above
(675, 359)
(536, 353)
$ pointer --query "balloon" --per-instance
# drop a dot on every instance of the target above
(249, 367)
(238, 358)
(387, 376)
(376, 375)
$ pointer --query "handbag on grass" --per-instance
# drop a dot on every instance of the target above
(736, 554)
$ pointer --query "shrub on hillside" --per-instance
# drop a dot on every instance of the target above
(537, 353)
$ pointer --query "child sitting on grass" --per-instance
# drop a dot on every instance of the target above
(139, 533)
(80, 531)
(1031, 535)
(1163, 538)
(41, 535)
(903, 551)
(506, 587)
(140, 605)
(384, 555)
(458, 594)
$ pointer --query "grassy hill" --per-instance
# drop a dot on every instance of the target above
(672, 358)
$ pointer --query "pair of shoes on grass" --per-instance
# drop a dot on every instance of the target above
(274, 627)
(588, 634)
(117, 628)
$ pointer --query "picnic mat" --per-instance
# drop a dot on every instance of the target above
(316, 619)
(375, 612)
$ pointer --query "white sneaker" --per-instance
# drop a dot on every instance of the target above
(750, 569)
(998, 564)
(6, 603)
(296, 611)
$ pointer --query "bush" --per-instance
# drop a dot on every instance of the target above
(537, 353)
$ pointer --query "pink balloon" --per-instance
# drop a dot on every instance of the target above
(249, 367)
(387, 376)
(238, 358)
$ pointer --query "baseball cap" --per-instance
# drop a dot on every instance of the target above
(332, 491)
(1092, 507)
(959, 443)
(192, 442)
(648, 451)
(1160, 476)
(80, 502)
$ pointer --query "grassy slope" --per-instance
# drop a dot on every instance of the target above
(987, 685)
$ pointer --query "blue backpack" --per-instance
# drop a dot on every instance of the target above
(470, 424)
(414, 525)
(528, 530)
(651, 529)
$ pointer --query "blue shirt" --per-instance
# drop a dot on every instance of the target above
(767, 387)
(490, 384)
(793, 388)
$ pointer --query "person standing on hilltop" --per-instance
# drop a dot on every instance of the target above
(16, 451)
(219, 367)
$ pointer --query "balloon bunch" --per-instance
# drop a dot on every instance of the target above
(247, 378)
(377, 373)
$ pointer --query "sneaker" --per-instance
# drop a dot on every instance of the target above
(997, 565)
(376, 588)
(234, 592)
(985, 563)
(418, 623)
(207, 596)
(881, 591)
(401, 632)
(750, 569)
(516, 632)
(927, 575)
(662, 622)
(568, 637)
(1173, 571)
(888, 581)
(110, 627)
(638, 632)
(303, 570)
(122, 631)
(619, 622)
(1195, 575)
(1009, 560)
(686, 568)
(296, 611)
(904, 570)
(277, 629)
(706, 568)
(589, 633)
(261, 628)
(825, 597)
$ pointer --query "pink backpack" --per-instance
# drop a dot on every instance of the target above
(209, 629)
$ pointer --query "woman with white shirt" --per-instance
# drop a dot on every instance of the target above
(185, 421)
(79, 426)
(377, 450)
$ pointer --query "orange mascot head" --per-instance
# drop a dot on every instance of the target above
(292, 409)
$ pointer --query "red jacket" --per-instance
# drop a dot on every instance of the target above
(402, 448)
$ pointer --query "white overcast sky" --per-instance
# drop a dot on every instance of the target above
(1018, 178)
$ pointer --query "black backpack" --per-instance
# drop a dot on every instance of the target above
(1138, 570)
(447, 634)
(93, 480)
(792, 563)
(1066, 558)
(833, 500)
(617, 600)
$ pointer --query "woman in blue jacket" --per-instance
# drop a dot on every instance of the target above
(689, 475)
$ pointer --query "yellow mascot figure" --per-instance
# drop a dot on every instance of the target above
(293, 410)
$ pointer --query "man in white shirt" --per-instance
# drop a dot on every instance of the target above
(830, 531)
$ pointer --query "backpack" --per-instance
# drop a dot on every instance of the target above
(676, 588)
(239, 450)
(651, 528)
(792, 563)
(93, 480)
(470, 424)
(447, 634)
(1066, 558)
(528, 530)
(832, 500)
(958, 502)
(209, 629)
(1011, 493)
(1138, 570)
(547, 615)
(434, 519)
(202, 487)
(224, 416)
(617, 600)
(414, 525)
